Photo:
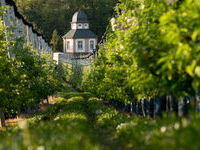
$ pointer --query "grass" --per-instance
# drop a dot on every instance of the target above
(79, 121)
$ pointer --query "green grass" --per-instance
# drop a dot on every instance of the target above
(79, 121)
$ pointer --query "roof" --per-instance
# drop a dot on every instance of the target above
(80, 33)
(79, 17)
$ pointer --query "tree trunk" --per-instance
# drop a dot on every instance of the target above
(197, 103)
(2, 119)
(47, 100)
(143, 107)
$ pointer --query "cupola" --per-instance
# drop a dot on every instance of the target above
(79, 20)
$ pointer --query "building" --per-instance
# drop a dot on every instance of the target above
(79, 40)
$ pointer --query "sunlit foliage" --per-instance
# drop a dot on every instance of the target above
(153, 50)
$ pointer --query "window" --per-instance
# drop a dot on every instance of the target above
(86, 25)
(68, 45)
(92, 45)
(80, 45)
(79, 26)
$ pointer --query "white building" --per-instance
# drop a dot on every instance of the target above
(79, 40)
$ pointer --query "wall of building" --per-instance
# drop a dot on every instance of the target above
(73, 45)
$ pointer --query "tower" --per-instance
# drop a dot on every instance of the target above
(80, 39)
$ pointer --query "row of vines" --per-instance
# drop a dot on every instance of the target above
(27, 78)
(152, 51)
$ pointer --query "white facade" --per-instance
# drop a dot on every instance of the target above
(68, 45)
(79, 45)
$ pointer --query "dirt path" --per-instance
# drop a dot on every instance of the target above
(43, 106)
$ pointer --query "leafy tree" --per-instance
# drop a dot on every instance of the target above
(55, 41)
(153, 51)
(27, 78)
(48, 15)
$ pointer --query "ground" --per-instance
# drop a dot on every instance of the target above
(80, 121)
(43, 107)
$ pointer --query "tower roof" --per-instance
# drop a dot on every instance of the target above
(80, 17)
(80, 33)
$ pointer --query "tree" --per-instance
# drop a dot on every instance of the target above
(25, 79)
(48, 15)
(55, 41)
(153, 52)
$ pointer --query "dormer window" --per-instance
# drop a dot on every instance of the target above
(86, 26)
(80, 26)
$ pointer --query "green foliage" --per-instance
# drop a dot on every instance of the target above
(81, 121)
(165, 134)
(76, 74)
(153, 51)
(55, 41)
(27, 78)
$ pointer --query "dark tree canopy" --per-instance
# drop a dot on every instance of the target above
(48, 15)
